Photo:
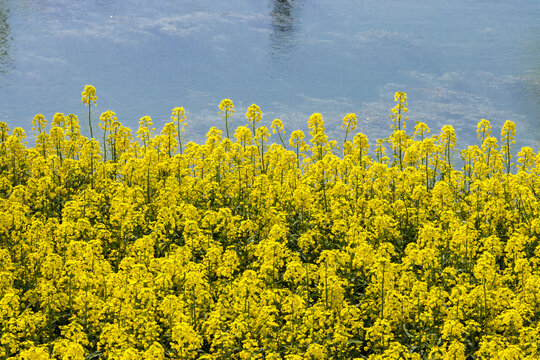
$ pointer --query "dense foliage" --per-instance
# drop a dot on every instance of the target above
(251, 248)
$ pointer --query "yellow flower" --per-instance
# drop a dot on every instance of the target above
(38, 123)
(254, 115)
(89, 95)
(227, 106)
(179, 117)
(145, 131)
(277, 126)
(421, 129)
(397, 116)
(483, 129)
(234, 250)
(349, 122)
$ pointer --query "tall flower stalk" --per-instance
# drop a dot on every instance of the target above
(179, 118)
(227, 107)
(89, 97)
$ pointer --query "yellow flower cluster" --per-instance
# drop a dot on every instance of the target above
(89, 95)
(249, 248)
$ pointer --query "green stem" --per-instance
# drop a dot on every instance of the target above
(382, 292)
(90, 120)
(227, 122)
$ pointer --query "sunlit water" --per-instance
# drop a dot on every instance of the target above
(458, 61)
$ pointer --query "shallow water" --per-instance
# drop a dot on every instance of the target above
(458, 61)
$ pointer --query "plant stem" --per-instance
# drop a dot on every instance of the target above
(90, 120)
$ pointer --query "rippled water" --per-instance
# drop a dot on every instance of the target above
(458, 61)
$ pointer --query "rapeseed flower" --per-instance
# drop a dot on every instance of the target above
(89, 97)
(243, 248)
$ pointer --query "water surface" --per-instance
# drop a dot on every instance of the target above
(458, 61)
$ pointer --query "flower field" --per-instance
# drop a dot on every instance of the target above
(265, 244)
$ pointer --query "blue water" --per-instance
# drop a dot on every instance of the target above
(458, 61)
